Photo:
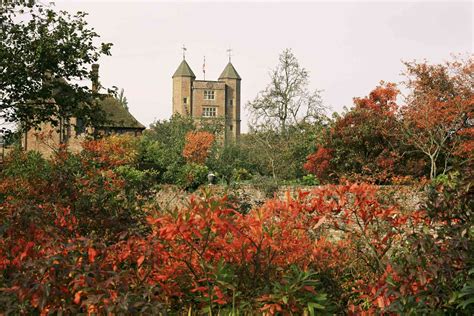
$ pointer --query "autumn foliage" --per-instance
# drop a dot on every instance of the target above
(197, 146)
(319, 163)
(360, 145)
(73, 243)
(437, 117)
(386, 137)
(83, 233)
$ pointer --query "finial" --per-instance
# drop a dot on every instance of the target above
(229, 51)
(204, 67)
(184, 51)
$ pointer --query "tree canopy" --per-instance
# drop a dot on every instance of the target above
(437, 117)
(45, 55)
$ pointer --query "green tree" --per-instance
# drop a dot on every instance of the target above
(44, 56)
(231, 162)
(162, 147)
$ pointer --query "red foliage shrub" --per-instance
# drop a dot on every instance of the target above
(319, 163)
(334, 248)
(360, 144)
(197, 146)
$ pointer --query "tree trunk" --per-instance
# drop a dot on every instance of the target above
(433, 167)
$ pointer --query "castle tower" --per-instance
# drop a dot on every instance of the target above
(232, 101)
(182, 89)
(209, 100)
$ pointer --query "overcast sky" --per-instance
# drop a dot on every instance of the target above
(347, 47)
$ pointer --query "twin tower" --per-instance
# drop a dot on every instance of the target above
(209, 99)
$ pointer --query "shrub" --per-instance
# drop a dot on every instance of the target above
(74, 239)
(197, 146)
(192, 176)
(310, 179)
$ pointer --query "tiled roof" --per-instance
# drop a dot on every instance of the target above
(229, 72)
(184, 70)
(117, 115)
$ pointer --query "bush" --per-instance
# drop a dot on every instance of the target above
(310, 180)
(266, 185)
(192, 176)
(76, 237)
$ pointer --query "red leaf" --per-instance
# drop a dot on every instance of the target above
(92, 254)
(380, 302)
(77, 297)
(140, 260)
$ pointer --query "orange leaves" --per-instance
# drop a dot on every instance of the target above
(220, 297)
(465, 148)
(112, 150)
(438, 109)
(77, 297)
(204, 254)
(140, 260)
(271, 308)
(27, 250)
(65, 219)
(92, 253)
(382, 99)
(360, 144)
(197, 146)
(319, 162)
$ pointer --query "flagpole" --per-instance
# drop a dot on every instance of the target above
(204, 68)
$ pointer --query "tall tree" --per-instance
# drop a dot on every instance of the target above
(44, 56)
(287, 99)
(439, 110)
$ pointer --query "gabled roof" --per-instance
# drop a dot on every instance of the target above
(229, 72)
(184, 70)
(117, 116)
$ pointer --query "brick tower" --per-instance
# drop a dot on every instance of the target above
(207, 99)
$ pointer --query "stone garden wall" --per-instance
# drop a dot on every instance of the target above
(251, 196)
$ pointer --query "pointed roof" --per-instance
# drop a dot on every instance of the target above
(229, 72)
(117, 116)
(184, 70)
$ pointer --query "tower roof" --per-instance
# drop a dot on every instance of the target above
(184, 70)
(229, 72)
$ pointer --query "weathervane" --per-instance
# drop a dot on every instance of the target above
(184, 51)
(229, 51)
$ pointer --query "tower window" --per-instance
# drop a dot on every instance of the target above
(209, 95)
(209, 112)
(231, 102)
(185, 100)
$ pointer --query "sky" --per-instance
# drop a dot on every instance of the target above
(347, 47)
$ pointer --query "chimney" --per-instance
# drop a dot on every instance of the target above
(95, 78)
